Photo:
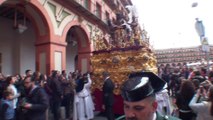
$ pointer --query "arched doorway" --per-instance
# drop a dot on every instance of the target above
(19, 35)
(78, 50)
(17, 40)
(71, 50)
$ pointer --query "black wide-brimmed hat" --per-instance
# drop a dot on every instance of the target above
(141, 85)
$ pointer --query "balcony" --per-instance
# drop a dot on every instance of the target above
(77, 5)
(111, 3)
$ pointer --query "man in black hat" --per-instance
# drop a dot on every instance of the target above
(138, 93)
(108, 97)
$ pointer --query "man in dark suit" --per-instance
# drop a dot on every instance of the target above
(36, 102)
(139, 97)
(55, 85)
(108, 97)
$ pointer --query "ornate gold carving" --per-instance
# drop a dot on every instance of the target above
(119, 64)
(125, 51)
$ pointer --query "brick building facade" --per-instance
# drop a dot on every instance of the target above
(182, 55)
(43, 35)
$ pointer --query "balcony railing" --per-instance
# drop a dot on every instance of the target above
(92, 14)
(112, 3)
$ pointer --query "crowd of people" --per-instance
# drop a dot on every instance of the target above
(146, 96)
(191, 90)
(35, 95)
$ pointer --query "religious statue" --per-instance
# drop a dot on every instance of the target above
(120, 30)
(100, 43)
(133, 22)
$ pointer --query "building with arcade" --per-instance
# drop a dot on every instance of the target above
(43, 35)
(182, 56)
(85, 35)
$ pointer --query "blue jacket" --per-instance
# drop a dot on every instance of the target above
(6, 110)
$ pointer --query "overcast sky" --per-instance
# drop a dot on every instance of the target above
(171, 23)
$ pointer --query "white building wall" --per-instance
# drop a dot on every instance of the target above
(6, 37)
(71, 52)
(42, 62)
(18, 50)
(27, 51)
(58, 61)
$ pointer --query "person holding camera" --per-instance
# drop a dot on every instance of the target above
(203, 109)
(83, 104)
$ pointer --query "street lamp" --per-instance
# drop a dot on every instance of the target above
(203, 39)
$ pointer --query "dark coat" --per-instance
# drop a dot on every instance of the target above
(108, 88)
(40, 102)
(182, 103)
(3, 86)
(80, 85)
(56, 88)
(200, 78)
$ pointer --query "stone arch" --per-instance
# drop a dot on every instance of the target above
(168, 65)
(45, 17)
(40, 10)
(78, 24)
(43, 23)
(179, 64)
(162, 65)
(174, 64)
(83, 47)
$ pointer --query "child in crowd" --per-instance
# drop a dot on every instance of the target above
(7, 111)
